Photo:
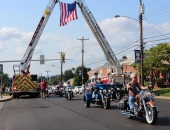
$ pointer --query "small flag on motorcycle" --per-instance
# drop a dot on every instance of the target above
(63, 57)
(137, 56)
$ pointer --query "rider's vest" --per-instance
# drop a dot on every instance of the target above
(134, 90)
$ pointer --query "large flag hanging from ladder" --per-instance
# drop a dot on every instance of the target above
(68, 13)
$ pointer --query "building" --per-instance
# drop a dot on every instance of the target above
(106, 69)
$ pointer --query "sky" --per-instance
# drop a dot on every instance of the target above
(19, 19)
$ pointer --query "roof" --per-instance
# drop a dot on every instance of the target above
(130, 60)
(106, 65)
(94, 70)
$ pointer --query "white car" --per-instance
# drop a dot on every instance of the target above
(81, 90)
(76, 89)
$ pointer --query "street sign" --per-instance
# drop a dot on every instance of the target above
(1, 68)
(137, 56)
(42, 59)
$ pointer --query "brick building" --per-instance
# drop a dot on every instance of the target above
(107, 69)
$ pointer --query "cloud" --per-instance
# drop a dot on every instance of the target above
(20, 50)
(3, 47)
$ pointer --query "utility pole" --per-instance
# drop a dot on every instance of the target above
(82, 58)
(47, 73)
(141, 39)
(1, 86)
(61, 79)
(41, 76)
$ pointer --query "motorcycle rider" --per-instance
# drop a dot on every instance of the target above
(133, 89)
(68, 86)
(98, 81)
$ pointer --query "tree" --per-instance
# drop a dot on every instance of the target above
(68, 74)
(5, 79)
(78, 78)
(39, 79)
(55, 80)
(157, 60)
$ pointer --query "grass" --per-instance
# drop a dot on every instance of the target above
(162, 92)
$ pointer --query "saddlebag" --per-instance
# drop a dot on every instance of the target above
(123, 103)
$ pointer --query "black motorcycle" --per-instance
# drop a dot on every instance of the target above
(69, 94)
(117, 91)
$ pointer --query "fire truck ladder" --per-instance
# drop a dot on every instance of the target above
(16, 69)
(25, 62)
(109, 54)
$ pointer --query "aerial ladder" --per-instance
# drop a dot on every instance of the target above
(108, 52)
(26, 84)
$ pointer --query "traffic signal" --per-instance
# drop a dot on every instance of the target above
(41, 59)
(1, 68)
(63, 58)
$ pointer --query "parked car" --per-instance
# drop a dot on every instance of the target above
(76, 89)
(81, 90)
(49, 90)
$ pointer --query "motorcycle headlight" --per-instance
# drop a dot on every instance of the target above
(118, 88)
(104, 90)
(153, 94)
(148, 95)
(109, 90)
(69, 89)
(61, 88)
(100, 91)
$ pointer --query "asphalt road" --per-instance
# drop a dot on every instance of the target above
(56, 113)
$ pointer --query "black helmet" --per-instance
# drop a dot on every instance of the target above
(68, 82)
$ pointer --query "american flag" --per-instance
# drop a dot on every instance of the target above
(68, 13)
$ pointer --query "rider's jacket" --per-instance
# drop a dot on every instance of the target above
(134, 89)
(68, 87)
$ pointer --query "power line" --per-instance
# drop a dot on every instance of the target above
(158, 10)
(154, 23)
(157, 36)
(157, 40)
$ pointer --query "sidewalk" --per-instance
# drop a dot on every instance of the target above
(162, 97)
(5, 98)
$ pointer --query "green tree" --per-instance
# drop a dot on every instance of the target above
(156, 60)
(39, 78)
(5, 79)
(78, 78)
(68, 74)
(55, 80)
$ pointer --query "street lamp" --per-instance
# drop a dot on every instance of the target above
(141, 41)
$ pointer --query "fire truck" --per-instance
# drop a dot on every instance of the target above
(26, 84)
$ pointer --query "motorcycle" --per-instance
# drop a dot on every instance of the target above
(100, 95)
(59, 91)
(144, 107)
(117, 91)
(69, 94)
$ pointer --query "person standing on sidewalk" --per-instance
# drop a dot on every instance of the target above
(43, 87)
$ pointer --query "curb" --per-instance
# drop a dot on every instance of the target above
(162, 97)
(7, 99)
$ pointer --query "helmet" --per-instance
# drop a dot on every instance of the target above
(68, 82)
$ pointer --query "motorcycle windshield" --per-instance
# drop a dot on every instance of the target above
(102, 86)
